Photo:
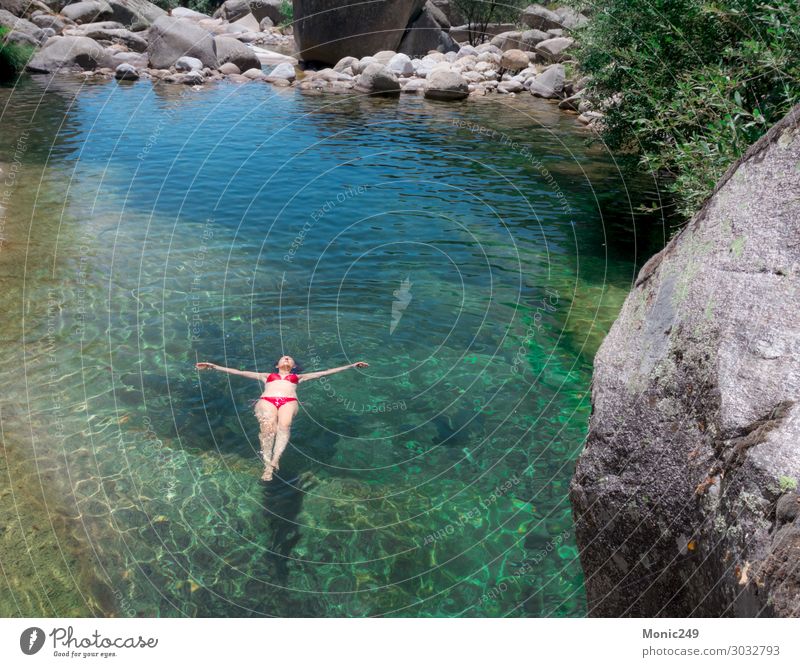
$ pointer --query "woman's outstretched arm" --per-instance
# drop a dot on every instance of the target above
(318, 374)
(203, 365)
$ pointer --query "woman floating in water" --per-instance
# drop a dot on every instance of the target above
(277, 405)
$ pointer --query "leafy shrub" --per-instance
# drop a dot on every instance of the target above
(698, 81)
(13, 57)
(287, 12)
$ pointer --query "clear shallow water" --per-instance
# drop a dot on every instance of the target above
(151, 227)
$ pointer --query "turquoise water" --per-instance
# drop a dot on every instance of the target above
(474, 254)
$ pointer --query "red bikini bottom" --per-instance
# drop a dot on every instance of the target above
(278, 401)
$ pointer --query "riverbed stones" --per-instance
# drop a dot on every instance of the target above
(400, 64)
(514, 60)
(510, 86)
(69, 53)
(446, 85)
(137, 60)
(186, 13)
(232, 10)
(536, 16)
(230, 50)
(376, 79)
(131, 40)
(328, 30)
(556, 49)
(283, 71)
(135, 14)
(87, 11)
(344, 63)
(21, 31)
(550, 83)
(229, 68)
(695, 421)
(126, 72)
(570, 19)
(54, 21)
(254, 74)
(267, 9)
(530, 38)
(188, 64)
(172, 38)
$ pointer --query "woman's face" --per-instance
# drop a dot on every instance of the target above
(285, 361)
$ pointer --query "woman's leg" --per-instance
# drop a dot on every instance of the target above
(267, 415)
(285, 416)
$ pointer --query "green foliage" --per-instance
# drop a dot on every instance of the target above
(287, 13)
(13, 57)
(699, 81)
(480, 13)
(787, 484)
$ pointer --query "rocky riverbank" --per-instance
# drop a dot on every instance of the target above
(249, 41)
(685, 496)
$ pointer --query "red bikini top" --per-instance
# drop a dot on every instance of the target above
(292, 377)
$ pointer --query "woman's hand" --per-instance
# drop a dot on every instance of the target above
(204, 365)
(360, 364)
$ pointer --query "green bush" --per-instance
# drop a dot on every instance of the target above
(699, 81)
(13, 57)
(287, 13)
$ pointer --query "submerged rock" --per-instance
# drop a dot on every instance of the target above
(680, 495)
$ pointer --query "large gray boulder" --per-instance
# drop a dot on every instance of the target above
(87, 11)
(231, 50)
(425, 34)
(21, 31)
(570, 19)
(443, 84)
(232, 10)
(450, 10)
(171, 38)
(376, 79)
(438, 15)
(328, 30)
(556, 49)
(131, 40)
(135, 14)
(540, 18)
(267, 9)
(683, 496)
(549, 84)
(69, 53)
